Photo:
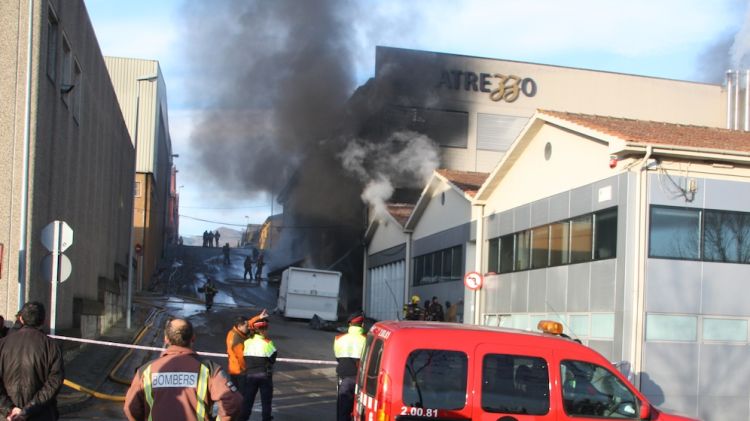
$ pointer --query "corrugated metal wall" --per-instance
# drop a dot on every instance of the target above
(125, 73)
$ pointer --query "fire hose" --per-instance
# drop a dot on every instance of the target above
(116, 398)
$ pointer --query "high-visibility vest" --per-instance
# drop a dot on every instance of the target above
(200, 391)
(258, 346)
(351, 344)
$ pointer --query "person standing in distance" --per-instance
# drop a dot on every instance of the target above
(181, 385)
(348, 349)
(31, 369)
(260, 356)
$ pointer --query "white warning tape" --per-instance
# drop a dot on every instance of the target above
(153, 348)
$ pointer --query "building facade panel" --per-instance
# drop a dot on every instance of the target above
(559, 206)
(384, 257)
(673, 286)
(557, 287)
(522, 217)
(581, 200)
(449, 238)
(507, 222)
(719, 286)
(538, 291)
(671, 191)
(539, 212)
(670, 385)
(602, 288)
(727, 195)
(388, 234)
(721, 393)
(579, 287)
(519, 292)
(605, 193)
(446, 207)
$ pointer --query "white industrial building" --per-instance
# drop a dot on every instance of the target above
(612, 223)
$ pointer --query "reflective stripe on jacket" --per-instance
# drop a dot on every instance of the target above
(260, 354)
(348, 350)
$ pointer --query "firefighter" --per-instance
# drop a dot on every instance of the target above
(181, 384)
(412, 311)
(260, 356)
(348, 350)
(209, 290)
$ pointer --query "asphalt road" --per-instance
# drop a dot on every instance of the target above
(302, 391)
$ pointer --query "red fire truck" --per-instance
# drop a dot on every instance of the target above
(413, 370)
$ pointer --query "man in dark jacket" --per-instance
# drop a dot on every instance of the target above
(31, 369)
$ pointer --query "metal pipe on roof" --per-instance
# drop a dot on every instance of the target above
(737, 100)
(747, 100)
(729, 99)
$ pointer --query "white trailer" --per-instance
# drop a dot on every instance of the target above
(304, 293)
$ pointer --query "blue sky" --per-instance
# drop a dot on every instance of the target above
(662, 38)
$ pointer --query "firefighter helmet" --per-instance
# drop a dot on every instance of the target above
(415, 299)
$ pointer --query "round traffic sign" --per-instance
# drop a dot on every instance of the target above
(473, 280)
(64, 268)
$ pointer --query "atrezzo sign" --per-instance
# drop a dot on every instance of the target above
(500, 87)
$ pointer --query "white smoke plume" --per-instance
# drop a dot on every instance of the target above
(740, 49)
(405, 159)
(376, 193)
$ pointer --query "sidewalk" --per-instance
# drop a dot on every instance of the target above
(89, 364)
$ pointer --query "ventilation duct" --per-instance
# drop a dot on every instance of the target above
(738, 100)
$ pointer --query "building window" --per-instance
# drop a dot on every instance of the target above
(726, 237)
(507, 246)
(559, 243)
(137, 189)
(581, 239)
(523, 250)
(603, 325)
(559, 253)
(540, 247)
(53, 28)
(66, 81)
(727, 330)
(698, 234)
(662, 327)
(605, 234)
(675, 233)
(439, 266)
(77, 92)
(493, 255)
(497, 132)
(445, 127)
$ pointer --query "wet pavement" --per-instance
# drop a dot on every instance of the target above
(301, 391)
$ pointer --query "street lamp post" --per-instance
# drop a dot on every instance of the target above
(132, 218)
